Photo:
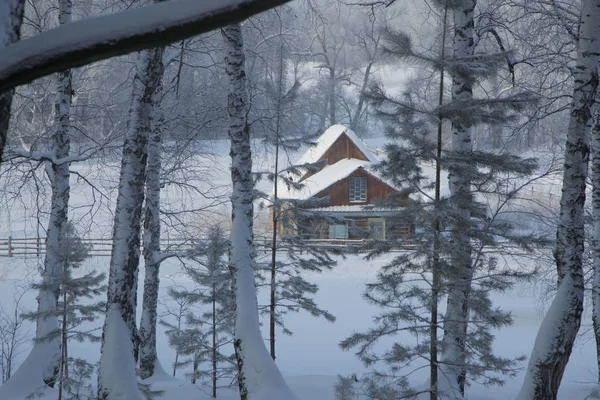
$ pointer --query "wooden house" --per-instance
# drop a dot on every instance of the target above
(350, 191)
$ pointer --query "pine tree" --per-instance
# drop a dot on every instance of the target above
(207, 337)
(446, 259)
(288, 288)
(77, 306)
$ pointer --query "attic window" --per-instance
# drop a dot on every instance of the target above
(358, 189)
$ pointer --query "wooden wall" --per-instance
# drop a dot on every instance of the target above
(342, 148)
(339, 193)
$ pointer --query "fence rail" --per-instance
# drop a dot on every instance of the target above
(31, 247)
(28, 247)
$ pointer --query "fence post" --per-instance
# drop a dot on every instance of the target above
(10, 246)
(38, 246)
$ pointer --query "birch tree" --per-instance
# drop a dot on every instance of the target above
(258, 376)
(151, 238)
(45, 358)
(117, 373)
(554, 342)
(460, 175)
(11, 17)
(595, 240)
(105, 37)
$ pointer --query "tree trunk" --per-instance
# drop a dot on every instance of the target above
(436, 273)
(558, 331)
(595, 179)
(64, 360)
(276, 209)
(47, 322)
(214, 338)
(151, 239)
(355, 118)
(460, 274)
(119, 336)
(332, 117)
(11, 17)
(258, 376)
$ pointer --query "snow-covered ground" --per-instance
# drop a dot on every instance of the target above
(310, 359)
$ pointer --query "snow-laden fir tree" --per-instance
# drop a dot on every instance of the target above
(78, 305)
(207, 339)
(258, 376)
(173, 317)
(447, 258)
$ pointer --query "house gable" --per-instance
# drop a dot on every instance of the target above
(339, 192)
(336, 143)
(342, 148)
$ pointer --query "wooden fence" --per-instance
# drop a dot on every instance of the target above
(31, 247)
(28, 247)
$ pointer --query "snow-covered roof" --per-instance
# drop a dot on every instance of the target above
(327, 139)
(321, 180)
(325, 178)
(355, 209)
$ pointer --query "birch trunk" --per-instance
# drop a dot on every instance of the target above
(48, 297)
(557, 333)
(44, 360)
(151, 238)
(117, 375)
(460, 275)
(11, 17)
(258, 376)
(595, 179)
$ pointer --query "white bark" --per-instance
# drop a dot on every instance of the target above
(46, 354)
(11, 17)
(595, 179)
(555, 338)
(151, 239)
(122, 282)
(259, 378)
(453, 357)
(96, 39)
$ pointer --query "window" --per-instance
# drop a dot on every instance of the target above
(338, 231)
(358, 189)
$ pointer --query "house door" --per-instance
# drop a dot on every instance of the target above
(377, 228)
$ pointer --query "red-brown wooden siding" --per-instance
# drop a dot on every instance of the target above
(339, 193)
(342, 148)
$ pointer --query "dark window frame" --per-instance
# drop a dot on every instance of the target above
(357, 192)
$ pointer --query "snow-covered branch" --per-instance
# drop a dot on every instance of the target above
(95, 39)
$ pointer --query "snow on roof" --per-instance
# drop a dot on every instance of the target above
(325, 178)
(328, 138)
(321, 180)
(355, 209)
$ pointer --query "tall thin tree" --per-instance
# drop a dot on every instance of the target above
(557, 333)
(151, 238)
(120, 336)
(258, 376)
